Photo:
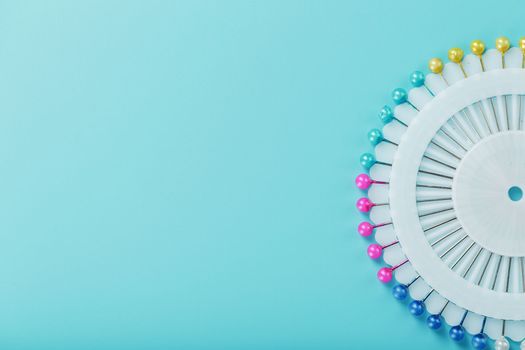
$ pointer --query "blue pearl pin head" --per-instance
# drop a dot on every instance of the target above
(479, 341)
(457, 333)
(416, 307)
(434, 322)
(400, 291)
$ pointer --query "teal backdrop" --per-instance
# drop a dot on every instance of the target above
(179, 174)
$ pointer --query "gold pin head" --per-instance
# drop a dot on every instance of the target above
(435, 65)
(477, 47)
(502, 44)
(522, 44)
(455, 55)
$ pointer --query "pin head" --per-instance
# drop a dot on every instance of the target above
(386, 115)
(374, 251)
(367, 160)
(399, 96)
(363, 181)
(477, 47)
(417, 78)
(434, 322)
(364, 205)
(502, 44)
(455, 55)
(384, 274)
(375, 136)
(479, 341)
(501, 344)
(435, 65)
(457, 333)
(400, 291)
(416, 307)
(365, 229)
(522, 44)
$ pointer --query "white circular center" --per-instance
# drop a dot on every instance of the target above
(487, 191)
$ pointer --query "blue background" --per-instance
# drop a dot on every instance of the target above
(179, 175)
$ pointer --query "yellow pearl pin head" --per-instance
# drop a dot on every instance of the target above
(455, 55)
(477, 47)
(522, 44)
(502, 44)
(435, 65)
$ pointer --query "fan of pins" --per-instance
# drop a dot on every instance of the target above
(450, 204)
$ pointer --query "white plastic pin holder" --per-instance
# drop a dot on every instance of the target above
(445, 194)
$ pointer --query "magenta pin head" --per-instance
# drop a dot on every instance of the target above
(384, 274)
(363, 181)
(365, 229)
(364, 205)
(374, 251)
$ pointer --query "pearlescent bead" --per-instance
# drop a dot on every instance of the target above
(435, 65)
(434, 322)
(365, 229)
(501, 344)
(477, 47)
(502, 44)
(386, 114)
(457, 333)
(479, 341)
(363, 181)
(417, 78)
(522, 44)
(374, 251)
(364, 205)
(367, 160)
(400, 291)
(384, 274)
(375, 136)
(399, 96)
(416, 307)
(455, 55)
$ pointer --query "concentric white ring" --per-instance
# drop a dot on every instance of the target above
(404, 211)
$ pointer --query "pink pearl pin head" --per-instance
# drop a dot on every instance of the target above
(384, 274)
(365, 229)
(364, 205)
(374, 251)
(363, 181)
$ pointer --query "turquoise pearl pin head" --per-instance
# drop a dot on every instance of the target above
(386, 114)
(417, 79)
(367, 160)
(375, 136)
(399, 96)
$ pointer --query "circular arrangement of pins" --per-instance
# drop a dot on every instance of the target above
(444, 195)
